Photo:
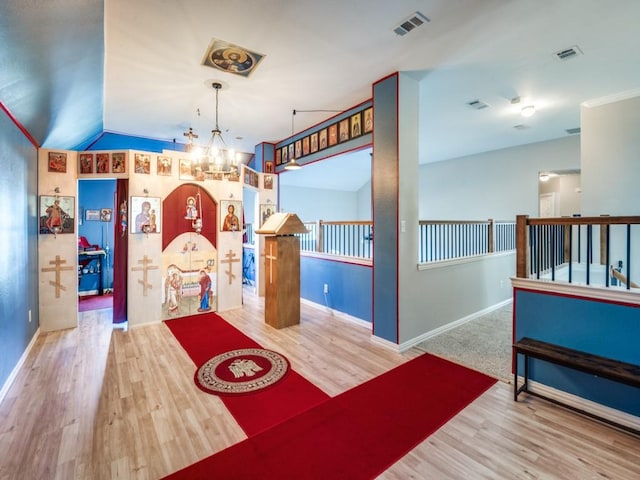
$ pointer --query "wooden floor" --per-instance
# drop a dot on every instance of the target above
(98, 403)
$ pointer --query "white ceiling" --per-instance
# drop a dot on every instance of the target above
(319, 55)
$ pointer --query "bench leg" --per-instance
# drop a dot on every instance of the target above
(515, 376)
(525, 384)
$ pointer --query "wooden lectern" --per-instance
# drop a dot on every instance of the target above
(282, 269)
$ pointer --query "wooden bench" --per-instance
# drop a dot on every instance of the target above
(603, 367)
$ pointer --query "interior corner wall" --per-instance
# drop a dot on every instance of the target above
(610, 158)
(18, 245)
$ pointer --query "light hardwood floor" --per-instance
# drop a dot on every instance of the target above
(97, 403)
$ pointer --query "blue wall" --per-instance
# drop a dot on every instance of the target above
(599, 327)
(18, 244)
(116, 141)
(349, 285)
(95, 195)
(385, 199)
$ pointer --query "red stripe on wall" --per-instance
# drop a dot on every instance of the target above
(21, 127)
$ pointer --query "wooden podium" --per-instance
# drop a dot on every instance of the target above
(282, 269)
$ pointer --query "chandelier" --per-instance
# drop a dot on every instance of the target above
(215, 157)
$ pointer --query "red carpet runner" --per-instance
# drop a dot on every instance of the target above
(95, 302)
(356, 435)
(205, 336)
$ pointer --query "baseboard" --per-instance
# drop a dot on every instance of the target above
(337, 313)
(449, 326)
(611, 414)
(14, 373)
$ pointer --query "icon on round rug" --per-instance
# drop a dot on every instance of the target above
(241, 371)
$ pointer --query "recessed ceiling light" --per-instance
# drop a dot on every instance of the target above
(528, 111)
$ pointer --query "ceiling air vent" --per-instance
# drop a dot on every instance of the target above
(573, 131)
(477, 104)
(522, 126)
(568, 53)
(411, 22)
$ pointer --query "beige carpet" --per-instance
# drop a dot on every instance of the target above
(483, 344)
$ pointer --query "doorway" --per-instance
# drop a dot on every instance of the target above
(559, 193)
(96, 217)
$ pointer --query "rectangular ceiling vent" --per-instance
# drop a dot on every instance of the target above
(477, 104)
(568, 53)
(573, 131)
(410, 23)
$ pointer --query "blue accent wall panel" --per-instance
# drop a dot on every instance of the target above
(385, 196)
(598, 327)
(115, 141)
(349, 285)
(18, 245)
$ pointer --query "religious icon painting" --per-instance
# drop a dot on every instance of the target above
(305, 146)
(142, 163)
(268, 182)
(57, 162)
(292, 153)
(333, 135)
(323, 139)
(234, 174)
(298, 148)
(85, 161)
(278, 156)
(266, 210)
(368, 120)
(164, 166)
(230, 212)
(145, 214)
(268, 167)
(105, 214)
(356, 125)
(343, 128)
(102, 163)
(118, 162)
(231, 58)
(313, 140)
(285, 154)
(185, 169)
(56, 214)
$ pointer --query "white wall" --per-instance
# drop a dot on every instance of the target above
(499, 184)
(611, 158)
(611, 171)
(364, 202)
(312, 204)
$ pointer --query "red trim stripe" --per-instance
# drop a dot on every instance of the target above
(17, 123)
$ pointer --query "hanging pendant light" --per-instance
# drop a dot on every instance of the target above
(292, 164)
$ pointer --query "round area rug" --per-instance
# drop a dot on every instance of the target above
(241, 371)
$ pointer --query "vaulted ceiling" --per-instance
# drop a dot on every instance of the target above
(71, 69)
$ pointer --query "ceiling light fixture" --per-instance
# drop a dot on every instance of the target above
(544, 177)
(528, 111)
(292, 164)
(215, 156)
